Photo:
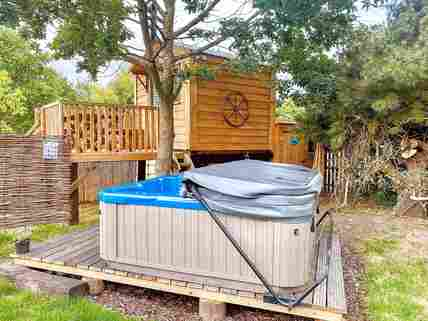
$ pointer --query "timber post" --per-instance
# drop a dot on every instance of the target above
(96, 286)
(141, 170)
(210, 310)
(74, 218)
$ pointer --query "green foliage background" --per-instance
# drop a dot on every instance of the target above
(26, 81)
(120, 90)
(378, 81)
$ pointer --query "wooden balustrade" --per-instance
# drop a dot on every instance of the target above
(103, 131)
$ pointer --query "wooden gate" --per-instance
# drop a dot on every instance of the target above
(104, 174)
(330, 172)
(289, 146)
(327, 163)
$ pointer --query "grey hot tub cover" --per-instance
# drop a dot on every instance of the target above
(257, 188)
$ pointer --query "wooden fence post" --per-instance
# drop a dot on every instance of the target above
(141, 170)
(212, 310)
(74, 219)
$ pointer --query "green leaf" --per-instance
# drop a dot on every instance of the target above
(26, 81)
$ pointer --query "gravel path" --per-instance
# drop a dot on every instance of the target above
(161, 306)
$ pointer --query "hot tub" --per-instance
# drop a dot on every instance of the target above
(148, 224)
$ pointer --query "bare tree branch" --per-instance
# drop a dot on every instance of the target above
(154, 72)
(168, 67)
(136, 59)
(159, 8)
(162, 46)
(233, 14)
(214, 43)
(177, 89)
(135, 48)
(145, 30)
(159, 29)
(133, 20)
(204, 14)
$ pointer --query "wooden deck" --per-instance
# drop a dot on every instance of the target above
(101, 132)
(78, 254)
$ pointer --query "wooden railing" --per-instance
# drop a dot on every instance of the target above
(103, 131)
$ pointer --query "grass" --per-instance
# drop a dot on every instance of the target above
(6, 243)
(381, 247)
(40, 233)
(397, 286)
(19, 305)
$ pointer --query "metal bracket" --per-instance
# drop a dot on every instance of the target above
(316, 283)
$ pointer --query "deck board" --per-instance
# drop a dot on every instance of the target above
(65, 248)
(320, 293)
(336, 285)
(82, 256)
(75, 253)
(59, 243)
(87, 262)
(78, 253)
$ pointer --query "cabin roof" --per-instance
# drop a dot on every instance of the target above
(282, 120)
(138, 69)
(212, 52)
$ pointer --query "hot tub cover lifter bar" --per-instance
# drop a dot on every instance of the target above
(317, 282)
(259, 189)
(194, 190)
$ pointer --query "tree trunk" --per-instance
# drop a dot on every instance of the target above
(166, 138)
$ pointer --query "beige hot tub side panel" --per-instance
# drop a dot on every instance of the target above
(188, 241)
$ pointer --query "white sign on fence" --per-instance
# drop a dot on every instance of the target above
(50, 150)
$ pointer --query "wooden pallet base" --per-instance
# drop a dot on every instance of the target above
(78, 254)
(169, 286)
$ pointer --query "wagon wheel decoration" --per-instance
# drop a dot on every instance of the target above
(235, 111)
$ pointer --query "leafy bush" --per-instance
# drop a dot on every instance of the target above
(385, 198)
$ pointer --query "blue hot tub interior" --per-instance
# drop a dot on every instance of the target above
(163, 191)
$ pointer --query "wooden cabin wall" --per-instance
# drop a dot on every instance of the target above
(51, 121)
(284, 151)
(210, 132)
(181, 118)
(106, 174)
(199, 124)
(141, 95)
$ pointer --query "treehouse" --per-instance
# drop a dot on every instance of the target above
(222, 119)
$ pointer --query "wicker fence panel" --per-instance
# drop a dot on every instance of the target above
(33, 190)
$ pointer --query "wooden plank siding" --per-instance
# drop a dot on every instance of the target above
(50, 119)
(181, 120)
(286, 152)
(141, 94)
(209, 130)
(105, 174)
(199, 123)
